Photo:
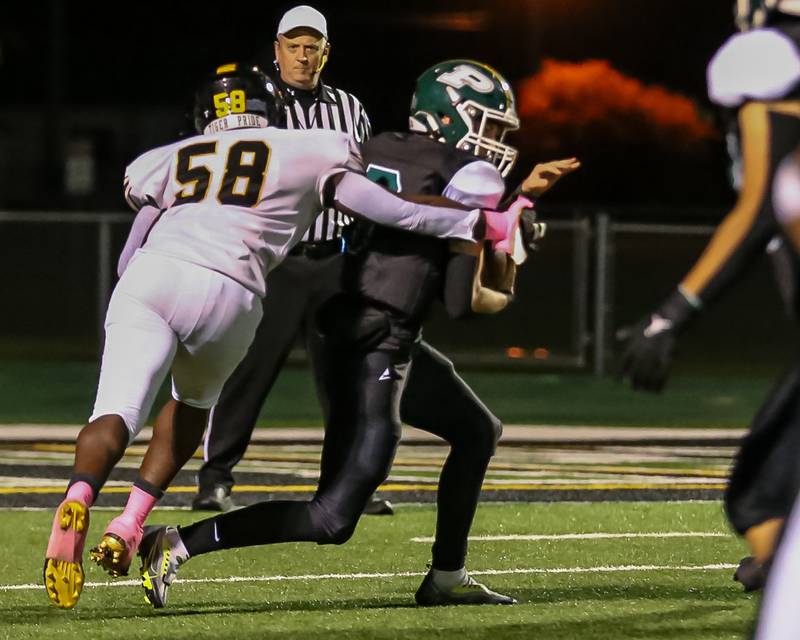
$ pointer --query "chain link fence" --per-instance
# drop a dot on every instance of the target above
(592, 275)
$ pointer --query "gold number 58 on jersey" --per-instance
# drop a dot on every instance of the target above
(242, 180)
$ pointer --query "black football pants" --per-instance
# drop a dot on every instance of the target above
(368, 394)
(766, 473)
(295, 290)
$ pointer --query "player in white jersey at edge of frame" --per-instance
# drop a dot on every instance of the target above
(779, 618)
(218, 211)
(755, 77)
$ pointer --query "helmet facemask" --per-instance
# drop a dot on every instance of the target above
(468, 105)
(486, 130)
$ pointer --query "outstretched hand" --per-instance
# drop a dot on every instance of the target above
(546, 174)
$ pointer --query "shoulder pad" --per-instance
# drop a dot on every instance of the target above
(763, 64)
(476, 184)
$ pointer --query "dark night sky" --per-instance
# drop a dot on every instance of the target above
(150, 54)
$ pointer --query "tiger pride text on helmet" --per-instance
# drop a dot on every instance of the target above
(753, 14)
(237, 96)
(468, 105)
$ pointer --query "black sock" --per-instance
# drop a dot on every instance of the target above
(459, 491)
(262, 523)
(148, 488)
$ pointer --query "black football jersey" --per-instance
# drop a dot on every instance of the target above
(401, 271)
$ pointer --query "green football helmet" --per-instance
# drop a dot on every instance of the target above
(468, 105)
(753, 14)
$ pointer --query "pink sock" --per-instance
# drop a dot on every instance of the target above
(140, 504)
(82, 492)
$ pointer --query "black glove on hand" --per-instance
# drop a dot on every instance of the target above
(650, 344)
(531, 230)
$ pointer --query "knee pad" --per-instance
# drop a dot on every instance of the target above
(497, 432)
(372, 474)
(339, 533)
(332, 527)
(485, 435)
(131, 417)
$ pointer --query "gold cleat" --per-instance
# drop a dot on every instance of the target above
(112, 555)
(63, 582)
(63, 579)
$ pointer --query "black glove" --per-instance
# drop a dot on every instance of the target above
(531, 230)
(650, 344)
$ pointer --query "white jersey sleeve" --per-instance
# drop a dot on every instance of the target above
(477, 185)
(763, 64)
(351, 160)
(147, 178)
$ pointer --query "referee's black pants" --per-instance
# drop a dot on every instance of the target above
(368, 392)
(295, 290)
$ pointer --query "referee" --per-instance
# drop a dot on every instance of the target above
(309, 275)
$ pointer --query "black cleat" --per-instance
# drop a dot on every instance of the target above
(379, 507)
(751, 574)
(214, 498)
(430, 595)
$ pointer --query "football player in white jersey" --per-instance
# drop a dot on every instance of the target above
(231, 203)
(779, 617)
(757, 73)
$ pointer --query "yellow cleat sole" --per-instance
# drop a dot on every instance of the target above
(111, 554)
(73, 516)
(63, 580)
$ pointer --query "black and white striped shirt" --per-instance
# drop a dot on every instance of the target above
(330, 109)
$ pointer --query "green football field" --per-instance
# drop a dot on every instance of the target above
(639, 570)
(668, 576)
(62, 392)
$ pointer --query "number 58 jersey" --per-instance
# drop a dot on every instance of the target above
(237, 201)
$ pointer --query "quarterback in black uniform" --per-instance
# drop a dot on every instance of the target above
(755, 72)
(381, 370)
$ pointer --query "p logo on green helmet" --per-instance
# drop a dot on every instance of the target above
(468, 105)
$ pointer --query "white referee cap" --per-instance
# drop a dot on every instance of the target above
(303, 16)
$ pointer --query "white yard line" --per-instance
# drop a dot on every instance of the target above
(591, 536)
(427, 505)
(402, 574)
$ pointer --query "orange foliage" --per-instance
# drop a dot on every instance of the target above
(590, 101)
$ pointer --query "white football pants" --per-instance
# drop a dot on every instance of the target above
(167, 312)
(780, 616)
